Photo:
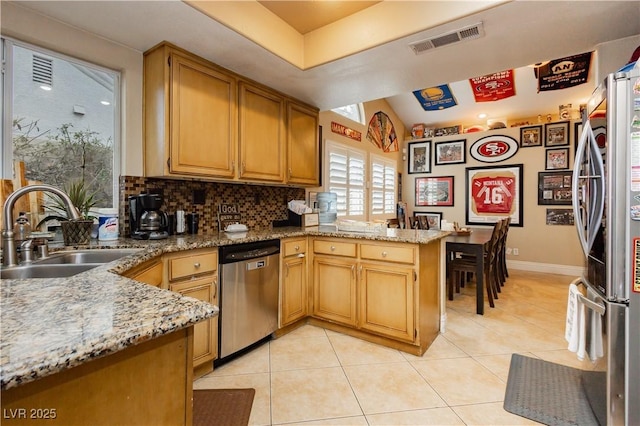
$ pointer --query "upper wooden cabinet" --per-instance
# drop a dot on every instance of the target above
(303, 155)
(262, 134)
(189, 116)
(205, 122)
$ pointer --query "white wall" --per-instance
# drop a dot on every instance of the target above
(614, 55)
(27, 26)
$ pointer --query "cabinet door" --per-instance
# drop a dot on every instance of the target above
(293, 292)
(148, 273)
(334, 290)
(387, 300)
(303, 155)
(202, 119)
(205, 333)
(261, 133)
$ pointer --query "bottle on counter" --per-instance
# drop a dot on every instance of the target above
(21, 228)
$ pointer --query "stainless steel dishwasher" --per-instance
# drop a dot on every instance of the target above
(248, 294)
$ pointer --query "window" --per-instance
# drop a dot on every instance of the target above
(383, 187)
(61, 119)
(346, 171)
(353, 112)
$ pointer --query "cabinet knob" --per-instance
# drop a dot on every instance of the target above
(297, 248)
(333, 248)
(196, 265)
(384, 254)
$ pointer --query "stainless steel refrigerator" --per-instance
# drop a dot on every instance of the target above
(606, 206)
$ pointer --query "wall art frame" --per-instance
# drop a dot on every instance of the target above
(558, 216)
(555, 188)
(419, 157)
(433, 218)
(434, 191)
(493, 193)
(556, 159)
(450, 152)
(556, 134)
(494, 148)
(531, 136)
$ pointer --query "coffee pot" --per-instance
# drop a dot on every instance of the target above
(148, 222)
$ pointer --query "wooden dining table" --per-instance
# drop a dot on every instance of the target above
(474, 245)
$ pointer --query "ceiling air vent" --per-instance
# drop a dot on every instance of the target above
(467, 33)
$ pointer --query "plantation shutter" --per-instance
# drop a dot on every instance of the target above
(383, 186)
(346, 178)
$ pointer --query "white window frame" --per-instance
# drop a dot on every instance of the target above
(6, 91)
(350, 187)
(387, 187)
(359, 107)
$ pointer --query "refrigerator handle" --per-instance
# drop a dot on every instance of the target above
(575, 179)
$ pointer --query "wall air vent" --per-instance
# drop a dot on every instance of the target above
(467, 33)
(42, 69)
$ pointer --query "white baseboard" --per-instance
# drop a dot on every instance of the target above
(551, 268)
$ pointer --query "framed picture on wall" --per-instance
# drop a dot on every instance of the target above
(493, 193)
(450, 152)
(556, 134)
(434, 191)
(554, 187)
(419, 157)
(557, 159)
(433, 218)
(531, 136)
(560, 217)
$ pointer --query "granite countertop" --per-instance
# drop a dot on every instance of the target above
(49, 325)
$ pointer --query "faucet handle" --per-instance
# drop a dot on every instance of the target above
(42, 247)
(26, 251)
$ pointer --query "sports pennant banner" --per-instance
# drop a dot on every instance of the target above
(493, 87)
(436, 98)
(563, 73)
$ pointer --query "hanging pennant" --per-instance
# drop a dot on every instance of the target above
(436, 98)
(564, 72)
(493, 87)
(382, 133)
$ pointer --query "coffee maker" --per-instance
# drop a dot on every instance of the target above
(148, 222)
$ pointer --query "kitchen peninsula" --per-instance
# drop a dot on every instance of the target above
(122, 336)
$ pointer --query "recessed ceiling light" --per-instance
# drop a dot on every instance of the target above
(47, 88)
(482, 115)
(105, 102)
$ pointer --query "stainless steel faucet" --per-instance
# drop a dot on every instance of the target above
(9, 251)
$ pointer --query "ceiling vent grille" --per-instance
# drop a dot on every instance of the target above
(467, 33)
(42, 70)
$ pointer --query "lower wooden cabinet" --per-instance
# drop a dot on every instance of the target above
(294, 296)
(334, 289)
(149, 273)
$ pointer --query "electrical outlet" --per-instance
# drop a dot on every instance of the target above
(508, 250)
(515, 252)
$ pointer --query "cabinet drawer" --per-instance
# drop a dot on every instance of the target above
(293, 247)
(336, 248)
(388, 253)
(192, 264)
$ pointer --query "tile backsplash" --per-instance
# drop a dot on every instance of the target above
(259, 205)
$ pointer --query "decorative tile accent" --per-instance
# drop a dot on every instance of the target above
(259, 205)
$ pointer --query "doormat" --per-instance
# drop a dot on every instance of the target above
(547, 393)
(218, 407)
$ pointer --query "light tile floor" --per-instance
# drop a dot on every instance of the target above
(318, 377)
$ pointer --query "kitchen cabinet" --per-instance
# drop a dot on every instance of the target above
(380, 291)
(303, 155)
(205, 122)
(334, 281)
(194, 273)
(189, 116)
(261, 133)
(293, 284)
(149, 272)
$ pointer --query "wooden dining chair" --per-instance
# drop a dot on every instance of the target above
(502, 271)
(459, 267)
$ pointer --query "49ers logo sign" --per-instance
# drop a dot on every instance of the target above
(492, 149)
(494, 193)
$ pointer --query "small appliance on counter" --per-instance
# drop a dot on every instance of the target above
(148, 222)
(327, 207)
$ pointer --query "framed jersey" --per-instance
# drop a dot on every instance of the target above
(493, 193)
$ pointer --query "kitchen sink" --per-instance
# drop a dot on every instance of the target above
(65, 263)
(85, 256)
(45, 271)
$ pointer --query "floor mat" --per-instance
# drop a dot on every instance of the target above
(548, 393)
(222, 407)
